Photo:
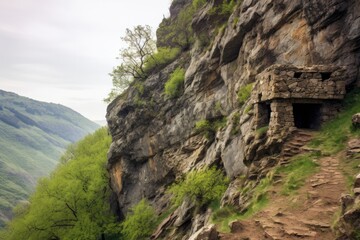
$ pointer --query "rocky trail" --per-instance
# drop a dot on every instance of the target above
(308, 214)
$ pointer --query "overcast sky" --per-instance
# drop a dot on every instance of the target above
(61, 51)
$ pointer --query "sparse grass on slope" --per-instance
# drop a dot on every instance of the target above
(296, 173)
(333, 135)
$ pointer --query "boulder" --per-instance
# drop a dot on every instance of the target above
(236, 227)
(356, 120)
(346, 201)
(206, 233)
(353, 148)
(357, 181)
(184, 212)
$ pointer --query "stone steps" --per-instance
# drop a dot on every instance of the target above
(296, 145)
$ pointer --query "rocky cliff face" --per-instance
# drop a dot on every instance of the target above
(155, 143)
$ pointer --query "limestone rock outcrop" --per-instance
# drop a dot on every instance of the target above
(154, 140)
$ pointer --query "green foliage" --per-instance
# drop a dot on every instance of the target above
(203, 125)
(244, 93)
(334, 134)
(201, 187)
(209, 128)
(72, 202)
(223, 216)
(134, 59)
(296, 172)
(174, 86)
(248, 108)
(161, 58)
(223, 11)
(32, 149)
(227, 7)
(236, 125)
(261, 132)
(198, 3)
(218, 106)
(140, 222)
(177, 33)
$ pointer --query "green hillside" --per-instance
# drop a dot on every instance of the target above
(33, 135)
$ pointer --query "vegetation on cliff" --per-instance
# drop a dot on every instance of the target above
(72, 203)
(200, 187)
(33, 135)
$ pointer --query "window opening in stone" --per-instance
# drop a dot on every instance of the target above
(307, 115)
(297, 74)
(264, 114)
(325, 75)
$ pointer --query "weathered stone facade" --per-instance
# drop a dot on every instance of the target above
(287, 97)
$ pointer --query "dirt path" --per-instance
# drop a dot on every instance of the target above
(306, 215)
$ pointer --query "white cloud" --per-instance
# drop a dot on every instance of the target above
(62, 50)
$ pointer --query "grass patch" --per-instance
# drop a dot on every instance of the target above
(236, 124)
(296, 173)
(244, 93)
(174, 86)
(261, 132)
(209, 127)
(161, 58)
(223, 216)
(334, 134)
(350, 168)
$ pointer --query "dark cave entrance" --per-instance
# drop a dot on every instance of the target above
(307, 115)
(264, 114)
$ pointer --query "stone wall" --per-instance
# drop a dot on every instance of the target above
(281, 118)
(281, 86)
(317, 82)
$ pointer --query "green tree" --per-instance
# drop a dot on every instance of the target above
(73, 202)
(140, 222)
(139, 51)
(202, 187)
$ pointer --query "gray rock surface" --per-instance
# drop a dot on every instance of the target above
(154, 141)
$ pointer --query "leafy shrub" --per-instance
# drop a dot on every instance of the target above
(198, 3)
(203, 125)
(209, 128)
(174, 85)
(244, 93)
(161, 58)
(227, 7)
(261, 132)
(177, 32)
(140, 222)
(236, 125)
(201, 187)
(223, 10)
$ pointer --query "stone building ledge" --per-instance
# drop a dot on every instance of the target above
(294, 82)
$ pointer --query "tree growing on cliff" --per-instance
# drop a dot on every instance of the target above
(73, 202)
(134, 59)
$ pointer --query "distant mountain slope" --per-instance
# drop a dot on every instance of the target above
(33, 135)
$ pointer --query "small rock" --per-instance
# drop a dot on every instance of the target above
(356, 120)
(236, 227)
(357, 181)
(206, 233)
(353, 148)
(357, 192)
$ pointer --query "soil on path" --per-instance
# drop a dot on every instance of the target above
(308, 214)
